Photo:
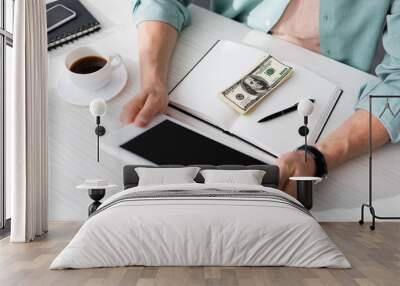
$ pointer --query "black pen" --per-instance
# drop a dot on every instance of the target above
(282, 112)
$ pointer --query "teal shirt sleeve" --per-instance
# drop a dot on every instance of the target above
(173, 12)
(388, 82)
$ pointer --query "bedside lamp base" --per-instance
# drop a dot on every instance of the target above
(305, 186)
(305, 193)
(96, 195)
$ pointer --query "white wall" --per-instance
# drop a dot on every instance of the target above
(72, 142)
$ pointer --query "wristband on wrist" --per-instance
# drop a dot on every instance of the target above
(321, 168)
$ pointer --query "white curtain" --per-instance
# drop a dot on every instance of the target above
(26, 123)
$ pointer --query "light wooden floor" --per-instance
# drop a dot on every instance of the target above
(375, 257)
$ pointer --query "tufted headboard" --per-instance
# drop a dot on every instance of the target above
(270, 179)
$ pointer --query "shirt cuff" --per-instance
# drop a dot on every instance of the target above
(170, 12)
(389, 119)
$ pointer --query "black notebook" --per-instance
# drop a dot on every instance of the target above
(83, 24)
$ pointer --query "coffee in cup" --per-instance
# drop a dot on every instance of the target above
(90, 69)
(88, 64)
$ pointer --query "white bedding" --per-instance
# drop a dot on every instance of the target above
(200, 231)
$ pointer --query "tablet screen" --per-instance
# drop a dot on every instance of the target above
(170, 143)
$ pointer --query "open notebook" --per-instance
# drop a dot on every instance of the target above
(224, 63)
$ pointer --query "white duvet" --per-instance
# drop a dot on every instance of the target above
(200, 231)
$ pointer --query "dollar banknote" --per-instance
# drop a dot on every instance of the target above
(247, 92)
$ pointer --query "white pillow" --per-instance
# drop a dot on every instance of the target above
(247, 177)
(165, 176)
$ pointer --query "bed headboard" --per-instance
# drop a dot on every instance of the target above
(270, 179)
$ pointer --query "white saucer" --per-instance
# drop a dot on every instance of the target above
(68, 91)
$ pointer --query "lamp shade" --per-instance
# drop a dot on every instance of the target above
(98, 107)
(305, 107)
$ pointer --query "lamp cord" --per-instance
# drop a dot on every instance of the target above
(305, 148)
(98, 137)
(305, 138)
(98, 147)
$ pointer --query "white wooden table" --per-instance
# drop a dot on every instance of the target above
(71, 128)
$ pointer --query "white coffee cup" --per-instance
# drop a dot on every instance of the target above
(95, 80)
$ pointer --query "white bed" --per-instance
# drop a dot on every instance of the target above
(258, 226)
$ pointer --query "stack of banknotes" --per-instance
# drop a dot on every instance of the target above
(251, 89)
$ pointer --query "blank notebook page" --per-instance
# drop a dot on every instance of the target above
(281, 135)
(227, 62)
(198, 93)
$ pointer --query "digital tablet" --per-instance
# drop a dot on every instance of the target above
(168, 141)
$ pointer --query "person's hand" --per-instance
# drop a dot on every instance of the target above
(292, 164)
(141, 109)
